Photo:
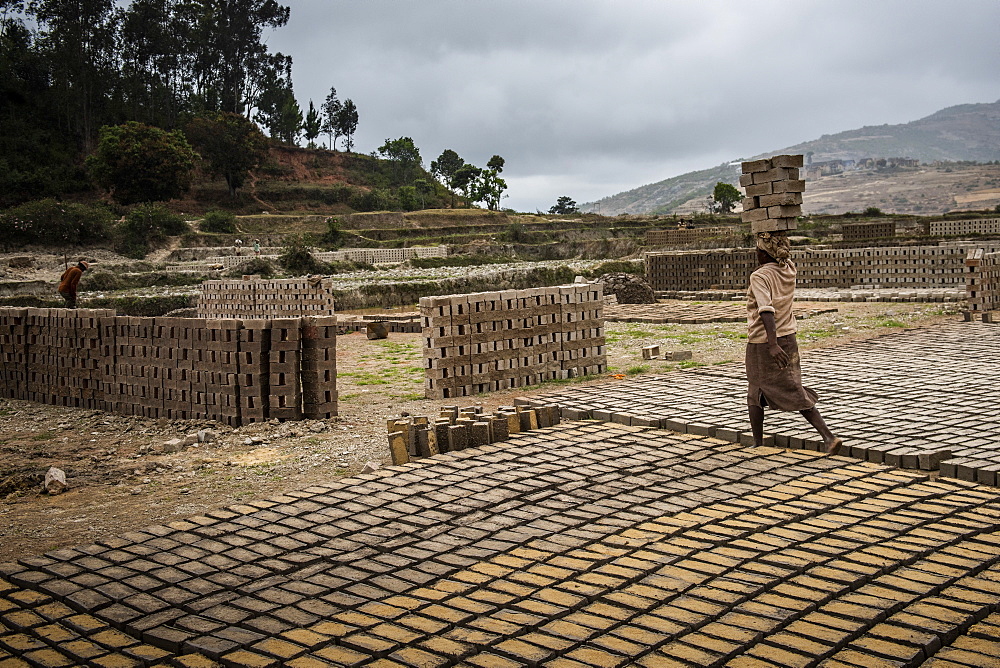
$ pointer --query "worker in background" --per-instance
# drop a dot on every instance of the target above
(69, 281)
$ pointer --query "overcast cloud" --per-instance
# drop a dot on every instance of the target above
(587, 99)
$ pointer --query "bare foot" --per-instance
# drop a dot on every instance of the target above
(833, 447)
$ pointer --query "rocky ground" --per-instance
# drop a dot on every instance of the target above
(120, 480)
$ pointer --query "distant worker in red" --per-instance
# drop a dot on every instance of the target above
(70, 280)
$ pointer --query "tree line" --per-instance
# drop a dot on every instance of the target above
(147, 89)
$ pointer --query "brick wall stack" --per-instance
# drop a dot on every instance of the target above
(686, 236)
(266, 298)
(493, 341)
(982, 281)
(884, 267)
(319, 367)
(229, 370)
(872, 230)
(952, 227)
(773, 193)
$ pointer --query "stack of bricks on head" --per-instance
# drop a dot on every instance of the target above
(773, 193)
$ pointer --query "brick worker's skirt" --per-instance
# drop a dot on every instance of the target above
(780, 389)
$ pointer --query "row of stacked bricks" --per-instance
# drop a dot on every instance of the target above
(493, 341)
(13, 353)
(886, 267)
(53, 356)
(176, 368)
(982, 283)
(773, 193)
(725, 269)
(456, 429)
(319, 367)
(227, 299)
(292, 297)
(263, 298)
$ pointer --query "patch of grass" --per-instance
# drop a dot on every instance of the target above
(888, 322)
(347, 396)
(722, 362)
(44, 437)
(689, 364)
(410, 396)
(637, 369)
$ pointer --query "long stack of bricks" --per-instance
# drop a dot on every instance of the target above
(885, 267)
(983, 284)
(266, 298)
(228, 370)
(456, 429)
(493, 341)
(773, 193)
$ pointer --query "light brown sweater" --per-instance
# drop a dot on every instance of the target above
(772, 288)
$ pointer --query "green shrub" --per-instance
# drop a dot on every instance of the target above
(145, 227)
(298, 261)
(219, 222)
(375, 199)
(334, 235)
(50, 222)
(256, 266)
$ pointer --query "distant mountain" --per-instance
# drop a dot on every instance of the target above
(967, 132)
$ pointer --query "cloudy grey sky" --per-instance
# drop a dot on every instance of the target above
(588, 98)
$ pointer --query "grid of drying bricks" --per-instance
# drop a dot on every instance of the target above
(773, 193)
(691, 314)
(266, 298)
(579, 545)
(983, 283)
(456, 429)
(229, 370)
(490, 341)
(922, 399)
(900, 267)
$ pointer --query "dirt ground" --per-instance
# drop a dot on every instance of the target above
(115, 485)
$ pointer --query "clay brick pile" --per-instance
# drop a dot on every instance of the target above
(456, 429)
(983, 283)
(266, 298)
(492, 341)
(228, 370)
(773, 193)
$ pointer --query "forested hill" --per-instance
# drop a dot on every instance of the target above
(968, 132)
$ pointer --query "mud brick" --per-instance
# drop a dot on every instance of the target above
(788, 199)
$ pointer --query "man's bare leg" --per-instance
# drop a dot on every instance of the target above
(757, 424)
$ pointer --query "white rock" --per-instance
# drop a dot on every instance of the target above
(370, 467)
(55, 481)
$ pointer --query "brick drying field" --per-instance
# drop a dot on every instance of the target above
(589, 543)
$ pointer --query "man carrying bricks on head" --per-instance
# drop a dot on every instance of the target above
(70, 280)
(772, 356)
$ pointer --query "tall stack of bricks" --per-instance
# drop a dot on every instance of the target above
(319, 367)
(266, 298)
(773, 193)
(229, 370)
(492, 341)
(983, 282)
